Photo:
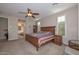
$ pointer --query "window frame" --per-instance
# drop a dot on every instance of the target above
(65, 25)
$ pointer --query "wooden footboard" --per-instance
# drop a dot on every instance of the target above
(32, 40)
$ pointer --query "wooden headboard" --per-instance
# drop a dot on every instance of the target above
(48, 29)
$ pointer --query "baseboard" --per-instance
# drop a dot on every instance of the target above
(13, 39)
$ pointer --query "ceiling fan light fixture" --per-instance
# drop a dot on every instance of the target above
(29, 14)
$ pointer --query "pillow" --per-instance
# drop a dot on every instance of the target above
(48, 33)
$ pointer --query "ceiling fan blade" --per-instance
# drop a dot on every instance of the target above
(22, 12)
(28, 9)
(33, 16)
(35, 13)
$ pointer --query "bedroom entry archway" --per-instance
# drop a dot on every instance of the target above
(21, 28)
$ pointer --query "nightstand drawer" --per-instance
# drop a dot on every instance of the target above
(58, 43)
(58, 39)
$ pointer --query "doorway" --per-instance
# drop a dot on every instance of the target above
(3, 28)
(21, 27)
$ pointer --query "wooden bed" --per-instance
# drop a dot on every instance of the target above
(34, 40)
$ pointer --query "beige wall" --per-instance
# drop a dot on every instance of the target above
(12, 27)
(78, 21)
(71, 23)
(29, 25)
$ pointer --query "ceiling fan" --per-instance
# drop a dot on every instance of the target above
(29, 13)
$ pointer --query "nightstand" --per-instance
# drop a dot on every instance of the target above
(58, 39)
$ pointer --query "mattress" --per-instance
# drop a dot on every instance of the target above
(41, 34)
(45, 39)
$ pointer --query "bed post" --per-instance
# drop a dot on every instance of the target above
(36, 48)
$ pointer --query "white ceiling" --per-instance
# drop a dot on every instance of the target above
(45, 9)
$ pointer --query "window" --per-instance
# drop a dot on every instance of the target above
(38, 25)
(61, 25)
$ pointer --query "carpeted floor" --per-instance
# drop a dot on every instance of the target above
(21, 47)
